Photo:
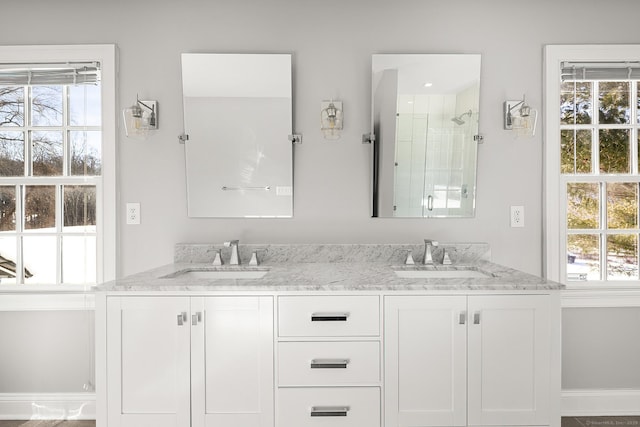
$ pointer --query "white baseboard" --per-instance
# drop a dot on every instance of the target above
(47, 406)
(82, 406)
(578, 403)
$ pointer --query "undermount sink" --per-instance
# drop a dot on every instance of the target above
(442, 272)
(199, 273)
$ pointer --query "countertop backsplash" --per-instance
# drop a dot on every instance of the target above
(459, 253)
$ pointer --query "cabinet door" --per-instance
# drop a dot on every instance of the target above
(148, 361)
(232, 361)
(425, 361)
(509, 354)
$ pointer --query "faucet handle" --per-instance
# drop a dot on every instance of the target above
(254, 258)
(218, 259)
(409, 260)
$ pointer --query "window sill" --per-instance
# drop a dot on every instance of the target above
(613, 294)
(46, 298)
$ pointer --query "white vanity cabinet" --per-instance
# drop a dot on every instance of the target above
(175, 361)
(346, 358)
(471, 360)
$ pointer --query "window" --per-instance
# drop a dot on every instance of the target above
(57, 182)
(592, 165)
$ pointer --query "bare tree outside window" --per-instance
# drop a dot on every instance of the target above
(11, 106)
(79, 206)
(46, 106)
(50, 132)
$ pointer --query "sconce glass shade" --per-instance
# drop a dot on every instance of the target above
(525, 125)
(140, 118)
(331, 119)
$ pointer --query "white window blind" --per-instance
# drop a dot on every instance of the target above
(49, 74)
(614, 71)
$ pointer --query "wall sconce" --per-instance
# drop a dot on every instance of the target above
(331, 119)
(519, 116)
(140, 118)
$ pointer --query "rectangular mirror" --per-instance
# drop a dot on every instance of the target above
(425, 120)
(238, 118)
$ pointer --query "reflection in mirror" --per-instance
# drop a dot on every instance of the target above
(237, 115)
(425, 119)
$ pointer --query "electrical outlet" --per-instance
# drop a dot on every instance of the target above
(517, 216)
(133, 213)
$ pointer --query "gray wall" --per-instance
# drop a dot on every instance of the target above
(331, 42)
(596, 355)
(46, 352)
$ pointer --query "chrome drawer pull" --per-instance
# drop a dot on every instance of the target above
(196, 318)
(329, 317)
(462, 319)
(329, 411)
(265, 188)
(182, 317)
(329, 363)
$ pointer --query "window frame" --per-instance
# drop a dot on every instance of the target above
(554, 209)
(106, 262)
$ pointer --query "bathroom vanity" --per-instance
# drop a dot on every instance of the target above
(329, 335)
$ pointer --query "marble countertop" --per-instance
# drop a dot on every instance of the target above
(329, 276)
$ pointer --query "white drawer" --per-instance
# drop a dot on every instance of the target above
(328, 363)
(328, 316)
(340, 407)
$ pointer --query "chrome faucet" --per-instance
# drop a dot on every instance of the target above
(428, 256)
(234, 259)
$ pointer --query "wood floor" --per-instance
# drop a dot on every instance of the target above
(566, 422)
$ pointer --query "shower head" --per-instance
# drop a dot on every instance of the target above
(458, 119)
